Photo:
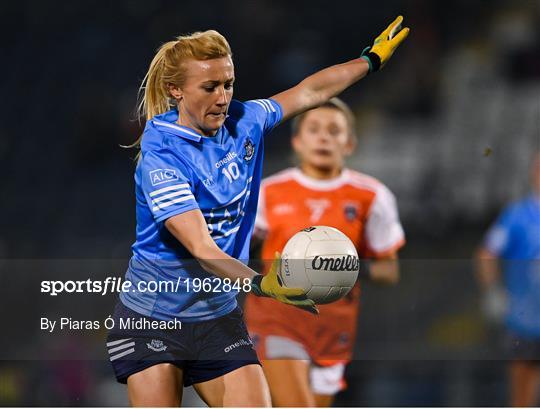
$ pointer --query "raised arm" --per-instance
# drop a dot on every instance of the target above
(329, 82)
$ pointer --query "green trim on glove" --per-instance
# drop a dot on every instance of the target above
(256, 286)
(384, 45)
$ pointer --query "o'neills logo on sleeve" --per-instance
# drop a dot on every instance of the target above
(345, 263)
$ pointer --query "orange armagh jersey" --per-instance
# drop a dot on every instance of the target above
(358, 205)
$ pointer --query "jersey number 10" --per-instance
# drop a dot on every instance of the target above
(231, 172)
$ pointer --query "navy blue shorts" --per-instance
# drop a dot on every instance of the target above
(203, 350)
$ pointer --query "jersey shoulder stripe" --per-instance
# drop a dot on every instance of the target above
(167, 196)
(167, 189)
(267, 105)
(363, 181)
(383, 195)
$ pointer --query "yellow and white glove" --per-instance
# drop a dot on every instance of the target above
(384, 46)
(270, 285)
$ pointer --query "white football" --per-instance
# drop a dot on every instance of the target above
(321, 260)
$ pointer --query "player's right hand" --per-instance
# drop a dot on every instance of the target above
(270, 285)
(385, 44)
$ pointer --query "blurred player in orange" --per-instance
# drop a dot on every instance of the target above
(304, 356)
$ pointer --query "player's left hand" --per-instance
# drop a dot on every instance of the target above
(270, 285)
(384, 45)
(494, 304)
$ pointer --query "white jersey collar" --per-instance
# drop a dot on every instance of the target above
(321, 184)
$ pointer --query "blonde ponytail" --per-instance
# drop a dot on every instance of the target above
(167, 67)
(153, 93)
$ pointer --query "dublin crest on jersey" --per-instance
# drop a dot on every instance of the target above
(249, 150)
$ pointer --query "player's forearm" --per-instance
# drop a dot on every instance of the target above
(384, 271)
(318, 88)
(191, 231)
(487, 269)
(331, 81)
(217, 262)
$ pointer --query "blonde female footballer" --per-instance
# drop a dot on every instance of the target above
(197, 184)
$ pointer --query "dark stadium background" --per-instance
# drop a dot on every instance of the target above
(449, 125)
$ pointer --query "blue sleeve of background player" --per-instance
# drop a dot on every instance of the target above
(267, 113)
(167, 185)
(499, 236)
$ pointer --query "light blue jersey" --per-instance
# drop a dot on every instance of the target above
(180, 170)
(515, 238)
